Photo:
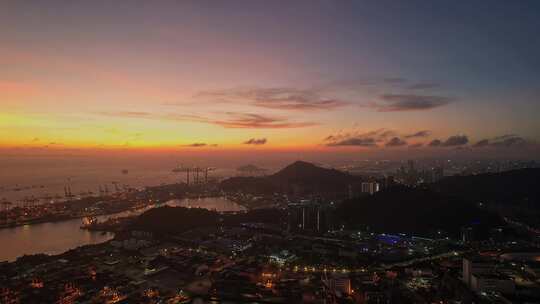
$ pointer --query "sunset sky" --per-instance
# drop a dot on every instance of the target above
(270, 75)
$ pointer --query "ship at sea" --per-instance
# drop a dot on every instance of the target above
(89, 221)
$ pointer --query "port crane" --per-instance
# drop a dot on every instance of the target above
(5, 204)
(194, 172)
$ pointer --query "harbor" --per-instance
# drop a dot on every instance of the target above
(58, 237)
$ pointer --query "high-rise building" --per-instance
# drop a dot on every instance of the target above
(409, 175)
(473, 266)
(410, 163)
(438, 174)
(341, 285)
(370, 187)
(312, 217)
(467, 234)
(355, 190)
(389, 182)
(480, 275)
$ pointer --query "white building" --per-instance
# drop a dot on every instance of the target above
(492, 282)
(480, 276)
(370, 187)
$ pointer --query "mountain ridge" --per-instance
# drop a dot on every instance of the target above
(299, 176)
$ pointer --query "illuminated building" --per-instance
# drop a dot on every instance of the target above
(370, 187)
(309, 217)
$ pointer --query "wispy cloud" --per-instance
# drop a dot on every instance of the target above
(255, 141)
(409, 102)
(354, 141)
(416, 145)
(377, 138)
(456, 140)
(363, 139)
(53, 144)
(510, 141)
(277, 98)
(481, 143)
(196, 145)
(128, 114)
(452, 141)
(504, 141)
(383, 134)
(435, 143)
(231, 120)
(396, 142)
(257, 121)
(423, 133)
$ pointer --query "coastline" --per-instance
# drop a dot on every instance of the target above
(113, 212)
(64, 218)
(43, 238)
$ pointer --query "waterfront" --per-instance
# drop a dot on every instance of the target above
(219, 204)
(57, 237)
(42, 177)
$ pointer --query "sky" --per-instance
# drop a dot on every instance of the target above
(326, 77)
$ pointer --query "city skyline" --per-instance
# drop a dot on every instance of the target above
(286, 151)
(317, 76)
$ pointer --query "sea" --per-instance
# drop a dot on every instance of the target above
(43, 178)
(58, 237)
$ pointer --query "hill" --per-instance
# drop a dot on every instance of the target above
(175, 219)
(179, 219)
(306, 173)
(299, 178)
(510, 187)
(413, 210)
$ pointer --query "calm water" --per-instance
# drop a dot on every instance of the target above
(38, 177)
(54, 238)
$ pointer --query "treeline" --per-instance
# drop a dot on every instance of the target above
(179, 219)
